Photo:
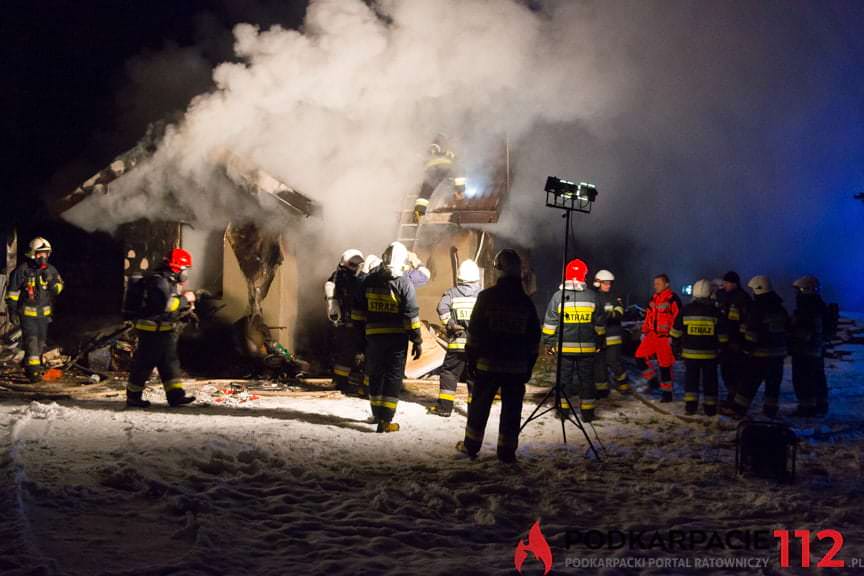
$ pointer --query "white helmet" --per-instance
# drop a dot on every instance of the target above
(372, 262)
(395, 258)
(468, 272)
(702, 289)
(508, 263)
(760, 285)
(352, 259)
(37, 245)
(603, 276)
(807, 284)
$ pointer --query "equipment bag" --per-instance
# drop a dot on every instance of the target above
(766, 450)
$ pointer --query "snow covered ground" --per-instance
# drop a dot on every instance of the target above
(303, 485)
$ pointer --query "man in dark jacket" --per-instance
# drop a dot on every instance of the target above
(454, 310)
(610, 358)
(386, 306)
(697, 337)
(733, 302)
(583, 331)
(807, 346)
(340, 291)
(157, 305)
(502, 348)
(30, 296)
(765, 344)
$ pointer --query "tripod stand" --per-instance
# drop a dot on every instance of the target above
(570, 203)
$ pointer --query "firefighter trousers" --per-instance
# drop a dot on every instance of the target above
(733, 366)
(452, 372)
(760, 369)
(606, 360)
(34, 338)
(156, 350)
(486, 386)
(347, 345)
(809, 381)
(385, 367)
(577, 377)
(700, 374)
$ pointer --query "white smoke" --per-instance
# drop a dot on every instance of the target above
(345, 109)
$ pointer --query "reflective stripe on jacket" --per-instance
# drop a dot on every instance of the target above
(584, 321)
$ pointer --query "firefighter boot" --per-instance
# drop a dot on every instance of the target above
(691, 406)
(178, 397)
(460, 447)
(666, 397)
(387, 427)
(135, 400)
(439, 411)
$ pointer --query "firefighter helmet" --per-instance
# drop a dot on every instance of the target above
(576, 271)
(352, 259)
(372, 262)
(468, 272)
(395, 258)
(603, 276)
(508, 263)
(760, 285)
(807, 284)
(702, 289)
(179, 260)
(38, 245)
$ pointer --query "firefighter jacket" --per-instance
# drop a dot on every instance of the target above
(454, 310)
(438, 167)
(387, 304)
(766, 327)
(504, 332)
(807, 334)
(733, 307)
(168, 304)
(346, 286)
(584, 321)
(699, 331)
(613, 308)
(32, 289)
(661, 313)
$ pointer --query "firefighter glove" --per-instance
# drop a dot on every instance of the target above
(416, 350)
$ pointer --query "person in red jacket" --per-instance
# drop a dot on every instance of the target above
(656, 343)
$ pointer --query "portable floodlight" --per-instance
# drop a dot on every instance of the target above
(566, 195)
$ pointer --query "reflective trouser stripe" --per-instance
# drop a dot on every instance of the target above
(602, 385)
(342, 371)
(614, 340)
(666, 386)
(173, 384)
(586, 405)
(690, 354)
(709, 400)
(446, 396)
(373, 329)
(564, 404)
(34, 361)
(691, 397)
(151, 326)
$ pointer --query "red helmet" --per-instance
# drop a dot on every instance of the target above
(576, 271)
(179, 260)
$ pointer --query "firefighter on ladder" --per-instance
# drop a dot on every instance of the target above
(502, 348)
(584, 330)
(157, 305)
(454, 310)
(698, 334)
(439, 167)
(659, 319)
(340, 291)
(611, 357)
(386, 306)
(30, 296)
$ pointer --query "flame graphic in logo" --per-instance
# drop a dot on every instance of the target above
(538, 546)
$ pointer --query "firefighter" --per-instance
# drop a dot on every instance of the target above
(659, 319)
(584, 334)
(339, 292)
(611, 357)
(697, 336)
(387, 307)
(733, 302)
(454, 310)
(502, 348)
(765, 330)
(439, 166)
(157, 305)
(417, 272)
(807, 346)
(30, 296)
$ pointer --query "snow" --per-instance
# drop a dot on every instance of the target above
(302, 484)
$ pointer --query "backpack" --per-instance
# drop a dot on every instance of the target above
(145, 297)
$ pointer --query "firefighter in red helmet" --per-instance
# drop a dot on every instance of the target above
(584, 331)
(656, 343)
(156, 304)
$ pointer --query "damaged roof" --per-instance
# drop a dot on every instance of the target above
(244, 173)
